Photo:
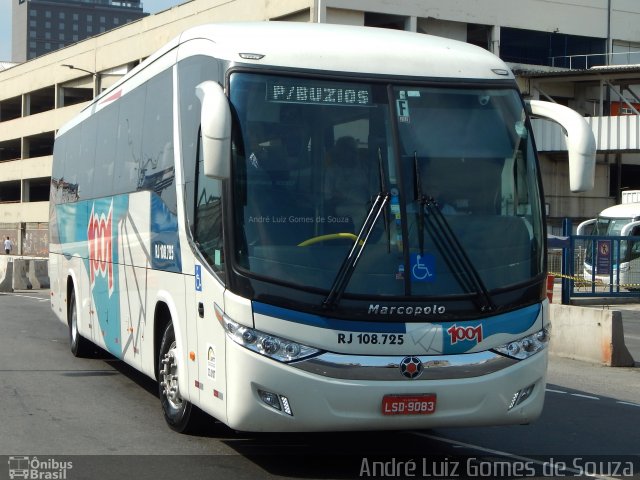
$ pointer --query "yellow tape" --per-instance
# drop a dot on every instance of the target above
(584, 282)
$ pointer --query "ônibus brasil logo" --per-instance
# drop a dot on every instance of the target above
(100, 240)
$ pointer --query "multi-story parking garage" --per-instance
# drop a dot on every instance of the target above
(559, 50)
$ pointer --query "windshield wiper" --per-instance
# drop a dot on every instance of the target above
(351, 260)
(383, 188)
(447, 242)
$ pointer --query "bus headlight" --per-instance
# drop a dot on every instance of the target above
(271, 346)
(527, 346)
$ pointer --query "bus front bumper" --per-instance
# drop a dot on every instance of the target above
(318, 401)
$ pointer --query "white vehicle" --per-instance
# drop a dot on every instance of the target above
(252, 216)
(617, 221)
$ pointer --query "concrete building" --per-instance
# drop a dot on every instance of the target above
(551, 46)
(43, 26)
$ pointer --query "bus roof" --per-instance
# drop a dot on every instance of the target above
(625, 210)
(325, 47)
(343, 48)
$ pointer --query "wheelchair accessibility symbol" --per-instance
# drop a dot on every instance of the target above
(423, 267)
(198, 274)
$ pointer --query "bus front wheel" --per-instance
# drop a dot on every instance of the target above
(177, 411)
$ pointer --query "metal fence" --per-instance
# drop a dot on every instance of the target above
(601, 266)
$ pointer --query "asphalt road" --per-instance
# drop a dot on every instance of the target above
(98, 418)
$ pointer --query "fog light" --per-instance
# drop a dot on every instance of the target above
(270, 399)
(278, 402)
(521, 395)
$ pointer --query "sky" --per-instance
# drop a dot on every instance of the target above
(150, 6)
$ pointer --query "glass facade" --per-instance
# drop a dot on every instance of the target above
(89, 18)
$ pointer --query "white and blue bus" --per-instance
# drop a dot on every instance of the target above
(302, 227)
(613, 259)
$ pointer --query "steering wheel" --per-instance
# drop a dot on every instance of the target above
(331, 236)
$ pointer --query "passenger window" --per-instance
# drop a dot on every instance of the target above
(85, 163)
(129, 141)
(157, 171)
(106, 151)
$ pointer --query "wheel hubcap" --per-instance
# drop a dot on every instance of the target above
(169, 378)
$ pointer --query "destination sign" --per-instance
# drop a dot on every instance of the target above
(318, 93)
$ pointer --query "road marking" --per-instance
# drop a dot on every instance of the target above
(591, 397)
(554, 391)
(457, 443)
(40, 299)
(491, 451)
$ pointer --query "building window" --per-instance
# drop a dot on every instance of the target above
(479, 35)
(47, 24)
(89, 28)
(394, 22)
(89, 18)
(76, 16)
(75, 27)
(61, 36)
(553, 49)
(61, 15)
(47, 35)
(32, 23)
(47, 46)
(47, 14)
(116, 21)
(102, 19)
(32, 44)
(33, 13)
(75, 38)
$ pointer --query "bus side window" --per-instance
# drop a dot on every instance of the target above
(207, 229)
(191, 72)
(156, 168)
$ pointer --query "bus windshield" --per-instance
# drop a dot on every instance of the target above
(610, 226)
(455, 165)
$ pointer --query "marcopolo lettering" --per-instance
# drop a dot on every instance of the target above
(409, 310)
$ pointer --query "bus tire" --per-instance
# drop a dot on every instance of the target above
(79, 346)
(177, 411)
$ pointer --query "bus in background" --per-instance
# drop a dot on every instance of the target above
(347, 239)
(621, 267)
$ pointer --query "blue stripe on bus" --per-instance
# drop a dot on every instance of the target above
(326, 322)
(514, 322)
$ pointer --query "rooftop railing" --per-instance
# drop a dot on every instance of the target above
(586, 61)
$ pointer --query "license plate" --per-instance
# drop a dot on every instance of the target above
(424, 404)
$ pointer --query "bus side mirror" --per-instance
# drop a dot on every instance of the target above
(580, 142)
(215, 122)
